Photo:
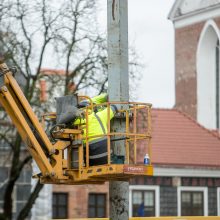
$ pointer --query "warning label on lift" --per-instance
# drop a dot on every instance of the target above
(134, 169)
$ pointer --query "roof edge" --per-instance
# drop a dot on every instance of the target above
(186, 166)
(198, 124)
(172, 17)
(173, 9)
(186, 172)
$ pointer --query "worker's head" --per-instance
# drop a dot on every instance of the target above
(85, 103)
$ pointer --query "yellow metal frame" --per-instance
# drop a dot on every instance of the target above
(55, 168)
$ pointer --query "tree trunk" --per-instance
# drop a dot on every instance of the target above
(31, 200)
(14, 175)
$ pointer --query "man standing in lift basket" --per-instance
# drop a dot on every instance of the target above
(97, 126)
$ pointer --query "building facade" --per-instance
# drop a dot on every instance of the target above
(196, 25)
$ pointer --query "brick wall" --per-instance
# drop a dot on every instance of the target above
(186, 40)
(78, 198)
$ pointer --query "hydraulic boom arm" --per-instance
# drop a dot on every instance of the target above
(26, 122)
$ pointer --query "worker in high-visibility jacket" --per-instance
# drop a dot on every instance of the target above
(97, 125)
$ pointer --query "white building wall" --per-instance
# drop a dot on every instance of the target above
(206, 75)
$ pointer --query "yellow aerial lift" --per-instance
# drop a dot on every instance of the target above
(63, 158)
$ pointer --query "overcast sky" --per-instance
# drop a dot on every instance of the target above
(153, 37)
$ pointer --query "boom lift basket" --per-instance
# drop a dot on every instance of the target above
(64, 159)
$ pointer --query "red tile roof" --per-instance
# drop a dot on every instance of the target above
(178, 140)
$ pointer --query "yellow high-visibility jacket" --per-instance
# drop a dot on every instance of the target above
(97, 122)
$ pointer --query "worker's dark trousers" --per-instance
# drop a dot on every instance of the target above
(98, 153)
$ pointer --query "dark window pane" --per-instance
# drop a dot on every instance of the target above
(137, 197)
(101, 200)
(54, 212)
(186, 197)
(60, 201)
(92, 212)
(97, 205)
(143, 203)
(149, 198)
(91, 199)
(197, 198)
(54, 200)
(62, 212)
(100, 213)
(192, 203)
(149, 211)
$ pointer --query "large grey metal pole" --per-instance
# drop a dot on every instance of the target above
(118, 90)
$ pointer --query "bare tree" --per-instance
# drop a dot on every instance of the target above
(37, 33)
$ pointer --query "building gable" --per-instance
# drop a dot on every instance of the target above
(186, 12)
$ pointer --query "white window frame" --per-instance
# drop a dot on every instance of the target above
(144, 187)
(193, 189)
(218, 201)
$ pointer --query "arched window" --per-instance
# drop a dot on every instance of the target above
(217, 61)
(208, 76)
